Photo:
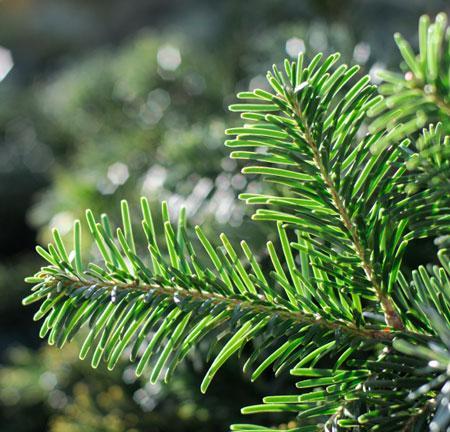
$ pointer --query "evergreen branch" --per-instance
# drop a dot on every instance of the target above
(334, 276)
(429, 165)
(391, 316)
(412, 379)
(338, 399)
(428, 289)
(433, 394)
(182, 301)
(253, 304)
(420, 95)
(315, 139)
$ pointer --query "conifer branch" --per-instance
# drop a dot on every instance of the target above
(252, 304)
(334, 275)
(391, 316)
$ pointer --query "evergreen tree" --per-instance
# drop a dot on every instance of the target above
(331, 303)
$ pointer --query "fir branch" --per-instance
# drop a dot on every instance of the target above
(419, 96)
(335, 273)
(391, 316)
(176, 293)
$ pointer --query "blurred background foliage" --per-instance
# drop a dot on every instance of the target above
(103, 100)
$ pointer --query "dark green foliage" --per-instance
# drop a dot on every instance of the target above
(368, 341)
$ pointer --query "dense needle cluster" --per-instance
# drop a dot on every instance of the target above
(369, 342)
